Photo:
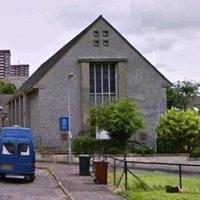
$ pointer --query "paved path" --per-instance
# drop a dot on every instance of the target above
(164, 159)
(44, 187)
(80, 187)
(83, 187)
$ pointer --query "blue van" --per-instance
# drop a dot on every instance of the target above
(17, 153)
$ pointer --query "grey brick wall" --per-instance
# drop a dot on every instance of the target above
(143, 83)
(137, 79)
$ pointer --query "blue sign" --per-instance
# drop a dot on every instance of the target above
(64, 123)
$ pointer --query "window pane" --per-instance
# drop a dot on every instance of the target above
(102, 82)
(98, 78)
(8, 149)
(99, 100)
(24, 149)
(105, 98)
(112, 78)
(91, 78)
(92, 100)
(96, 33)
(112, 97)
(105, 78)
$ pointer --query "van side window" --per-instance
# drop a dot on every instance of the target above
(8, 149)
(24, 149)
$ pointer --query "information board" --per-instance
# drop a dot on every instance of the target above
(64, 123)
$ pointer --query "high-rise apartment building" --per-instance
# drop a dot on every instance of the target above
(15, 74)
(19, 70)
(4, 63)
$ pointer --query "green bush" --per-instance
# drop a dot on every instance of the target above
(178, 130)
(112, 147)
(84, 145)
(120, 118)
(143, 149)
(7, 88)
(195, 153)
(168, 146)
(89, 145)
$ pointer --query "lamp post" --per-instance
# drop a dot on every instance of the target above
(69, 76)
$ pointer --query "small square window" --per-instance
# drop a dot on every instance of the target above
(24, 149)
(105, 43)
(96, 33)
(8, 149)
(105, 33)
(96, 43)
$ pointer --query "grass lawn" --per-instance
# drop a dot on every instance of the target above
(157, 182)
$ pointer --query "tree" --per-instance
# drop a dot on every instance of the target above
(7, 88)
(120, 118)
(179, 130)
(181, 94)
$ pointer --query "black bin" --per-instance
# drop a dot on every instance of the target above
(84, 164)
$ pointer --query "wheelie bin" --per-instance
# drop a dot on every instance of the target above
(84, 164)
(101, 171)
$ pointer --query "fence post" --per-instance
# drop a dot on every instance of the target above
(125, 172)
(180, 176)
(114, 172)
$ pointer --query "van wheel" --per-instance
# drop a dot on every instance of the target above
(29, 178)
(2, 176)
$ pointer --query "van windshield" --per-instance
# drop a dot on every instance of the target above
(8, 149)
(24, 149)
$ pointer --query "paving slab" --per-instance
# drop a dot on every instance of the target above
(44, 187)
(80, 187)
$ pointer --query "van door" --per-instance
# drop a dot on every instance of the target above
(24, 157)
(8, 156)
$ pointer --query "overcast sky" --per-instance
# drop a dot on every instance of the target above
(166, 32)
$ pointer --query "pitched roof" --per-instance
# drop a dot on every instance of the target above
(169, 83)
(46, 66)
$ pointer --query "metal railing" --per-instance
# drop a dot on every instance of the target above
(127, 170)
(50, 145)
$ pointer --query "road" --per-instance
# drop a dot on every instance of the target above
(44, 187)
